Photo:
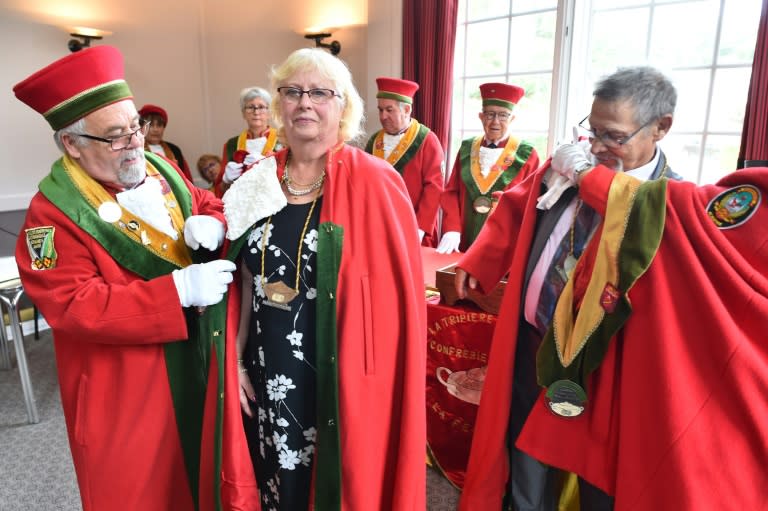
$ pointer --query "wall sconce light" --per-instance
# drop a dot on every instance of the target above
(333, 46)
(83, 37)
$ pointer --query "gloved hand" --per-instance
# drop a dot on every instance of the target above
(421, 235)
(203, 284)
(232, 171)
(203, 230)
(567, 158)
(249, 161)
(449, 242)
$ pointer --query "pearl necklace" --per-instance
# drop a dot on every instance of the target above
(298, 192)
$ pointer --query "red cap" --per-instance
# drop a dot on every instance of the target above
(76, 85)
(394, 88)
(501, 94)
(153, 109)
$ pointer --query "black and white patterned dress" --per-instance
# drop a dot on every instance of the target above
(280, 357)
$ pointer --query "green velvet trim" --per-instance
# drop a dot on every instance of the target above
(231, 148)
(328, 471)
(409, 153)
(639, 245)
(499, 102)
(474, 221)
(86, 102)
(395, 96)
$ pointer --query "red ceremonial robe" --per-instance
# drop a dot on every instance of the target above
(689, 363)
(454, 197)
(371, 332)
(677, 414)
(423, 176)
(110, 329)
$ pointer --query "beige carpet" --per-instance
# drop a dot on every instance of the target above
(36, 472)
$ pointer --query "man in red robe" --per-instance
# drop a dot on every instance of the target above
(664, 326)
(107, 254)
(486, 164)
(412, 149)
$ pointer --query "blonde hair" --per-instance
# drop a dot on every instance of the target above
(329, 67)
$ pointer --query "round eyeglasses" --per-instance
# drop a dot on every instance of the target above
(317, 96)
(501, 116)
(119, 142)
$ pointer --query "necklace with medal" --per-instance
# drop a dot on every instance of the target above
(278, 294)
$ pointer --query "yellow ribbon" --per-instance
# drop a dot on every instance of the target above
(505, 160)
(405, 142)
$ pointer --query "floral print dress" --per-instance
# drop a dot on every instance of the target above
(280, 358)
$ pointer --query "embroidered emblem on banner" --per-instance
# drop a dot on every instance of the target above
(734, 206)
(41, 248)
(566, 398)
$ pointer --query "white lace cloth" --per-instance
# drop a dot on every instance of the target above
(256, 195)
(487, 158)
(146, 201)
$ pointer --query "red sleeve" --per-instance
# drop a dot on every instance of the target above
(432, 164)
(450, 199)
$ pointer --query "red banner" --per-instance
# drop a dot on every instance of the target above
(458, 340)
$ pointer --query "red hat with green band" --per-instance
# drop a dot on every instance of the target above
(501, 94)
(76, 85)
(394, 88)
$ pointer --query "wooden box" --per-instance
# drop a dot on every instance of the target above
(444, 280)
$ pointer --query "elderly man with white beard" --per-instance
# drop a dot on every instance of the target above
(117, 252)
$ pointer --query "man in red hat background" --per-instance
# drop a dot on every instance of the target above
(537, 241)
(112, 252)
(412, 149)
(157, 119)
(485, 164)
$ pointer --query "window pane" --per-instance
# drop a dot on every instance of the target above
(719, 157)
(532, 113)
(683, 154)
(737, 43)
(692, 99)
(680, 39)
(481, 9)
(520, 6)
(487, 47)
(618, 39)
(729, 99)
(462, 13)
(611, 4)
(533, 42)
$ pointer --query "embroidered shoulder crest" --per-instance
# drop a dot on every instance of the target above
(41, 248)
(734, 206)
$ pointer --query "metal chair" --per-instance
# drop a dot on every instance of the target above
(11, 290)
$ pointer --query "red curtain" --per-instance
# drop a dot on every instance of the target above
(429, 35)
(754, 136)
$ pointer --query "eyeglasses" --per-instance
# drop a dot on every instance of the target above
(608, 139)
(253, 109)
(119, 142)
(501, 116)
(317, 96)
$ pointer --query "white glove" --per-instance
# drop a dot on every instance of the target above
(556, 185)
(567, 158)
(449, 242)
(204, 284)
(231, 172)
(421, 235)
(249, 160)
(203, 230)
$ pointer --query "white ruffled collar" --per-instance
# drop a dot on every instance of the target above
(255, 195)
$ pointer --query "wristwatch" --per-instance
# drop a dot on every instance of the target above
(578, 171)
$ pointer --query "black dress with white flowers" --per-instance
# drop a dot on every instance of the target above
(280, 357)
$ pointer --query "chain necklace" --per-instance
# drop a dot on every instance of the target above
(278, 293)
(298, 192)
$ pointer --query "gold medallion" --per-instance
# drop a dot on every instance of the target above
(279, 294)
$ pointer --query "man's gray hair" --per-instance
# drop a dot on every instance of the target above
(73, 129)
(646, 88)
